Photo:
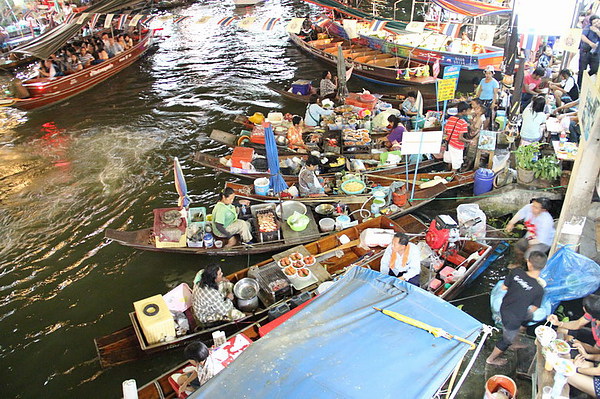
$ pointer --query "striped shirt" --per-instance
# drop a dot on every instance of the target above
(456, 126)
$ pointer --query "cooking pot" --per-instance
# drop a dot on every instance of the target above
(325, 209)
(246, 291)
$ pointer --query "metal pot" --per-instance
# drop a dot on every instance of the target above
(246, 291)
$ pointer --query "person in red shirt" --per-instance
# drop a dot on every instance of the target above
(531, 86)
(455, 134)
(588, 336)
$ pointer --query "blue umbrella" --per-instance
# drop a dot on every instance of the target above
(276, 180)
(180, 185)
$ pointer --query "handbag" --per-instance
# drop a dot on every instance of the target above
(445, 144)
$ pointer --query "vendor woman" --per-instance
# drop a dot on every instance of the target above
(402, 259)
(225, 219)
(393, 140)
(294, 135)
(212, 297)
(308, 182)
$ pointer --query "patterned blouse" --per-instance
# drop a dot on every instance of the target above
(209, 304)
(294, 136)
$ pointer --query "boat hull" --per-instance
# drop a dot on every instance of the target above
(384, 75)
(47, 92)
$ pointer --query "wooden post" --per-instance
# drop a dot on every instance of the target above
(581, 188)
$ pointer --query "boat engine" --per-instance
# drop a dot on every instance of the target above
(442, 236)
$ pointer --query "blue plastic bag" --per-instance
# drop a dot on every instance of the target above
(568, 276)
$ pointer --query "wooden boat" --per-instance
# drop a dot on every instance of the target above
(335, 259)
(144, 239)
(369, 64)
(213, 162)
(448, 180)
(49, 91)
(395, 99)
(399, 45)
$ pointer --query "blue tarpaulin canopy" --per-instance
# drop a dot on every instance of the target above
(276, 181)
(340, 347)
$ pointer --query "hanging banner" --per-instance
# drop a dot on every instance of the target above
(121, 22)
(246, 23)
(416, 27)
(94, 21)
(351, 28)
(204, 19)
(570, 41)
(485, 34)
(270, 23)
(295, 25)
(134, 21)
(377, 25)
(446, 89)
(108, 20)
(82, 18)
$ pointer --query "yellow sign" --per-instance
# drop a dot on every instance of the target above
(446, 89)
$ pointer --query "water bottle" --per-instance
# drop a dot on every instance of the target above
(244, 210)
(562, 139)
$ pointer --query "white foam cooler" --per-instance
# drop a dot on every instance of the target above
(155, 319)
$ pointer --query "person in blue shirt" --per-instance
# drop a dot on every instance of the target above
(487, 92)
(314, 112)
(588, 48)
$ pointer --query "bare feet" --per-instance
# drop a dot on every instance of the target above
(499, 361)
(231, 242)
(518, 345)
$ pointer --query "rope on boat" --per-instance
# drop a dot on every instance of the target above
(478, 196)
(469, 297)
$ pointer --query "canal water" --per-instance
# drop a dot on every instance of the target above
(104, 160)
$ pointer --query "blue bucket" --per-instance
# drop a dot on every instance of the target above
(484, 181)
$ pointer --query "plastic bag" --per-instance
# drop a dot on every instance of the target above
(568, 276)
(471, 221)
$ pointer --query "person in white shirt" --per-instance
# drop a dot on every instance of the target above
(402, 259)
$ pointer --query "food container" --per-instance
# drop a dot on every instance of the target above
(309, 260)
(545, 335)
(435, 284)
(298, 221)
(353, 187)
(290, 271)
(326, 224)
(246, 291)
(218, 244)
(560, 346)
(325, 209)
(275, 118)
(303, 273)
(289, 207)
(241, 157)
(298, 264)
(155, 319)
(284, 262)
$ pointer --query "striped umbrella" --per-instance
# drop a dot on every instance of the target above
(276, 180)
(180, 185)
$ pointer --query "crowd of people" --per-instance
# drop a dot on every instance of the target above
(81, 54)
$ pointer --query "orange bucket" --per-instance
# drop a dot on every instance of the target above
(496, 382)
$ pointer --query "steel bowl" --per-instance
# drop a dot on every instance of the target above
(289, 207)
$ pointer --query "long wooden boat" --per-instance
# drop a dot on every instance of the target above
(49, 91)
(213, 162)
(449, 180)
(350, 256)
(400, 45)
(369, 64)
(395, 99)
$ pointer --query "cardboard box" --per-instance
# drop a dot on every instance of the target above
(240, 155)
(179, 299)
(155, 319)
(169, 236)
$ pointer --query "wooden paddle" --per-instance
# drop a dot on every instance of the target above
(341, 247)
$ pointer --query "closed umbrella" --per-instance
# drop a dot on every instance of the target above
(180, 185)
(341, 72)
(276, 181)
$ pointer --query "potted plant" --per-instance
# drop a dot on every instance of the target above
(526, 157)
(547, 168)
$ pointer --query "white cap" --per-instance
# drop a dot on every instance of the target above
(489, 68)
(327, 103)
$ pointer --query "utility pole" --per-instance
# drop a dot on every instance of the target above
(581, 188)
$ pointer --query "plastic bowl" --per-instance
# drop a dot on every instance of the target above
(349, 192)
(289, 207)
(302, 271)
